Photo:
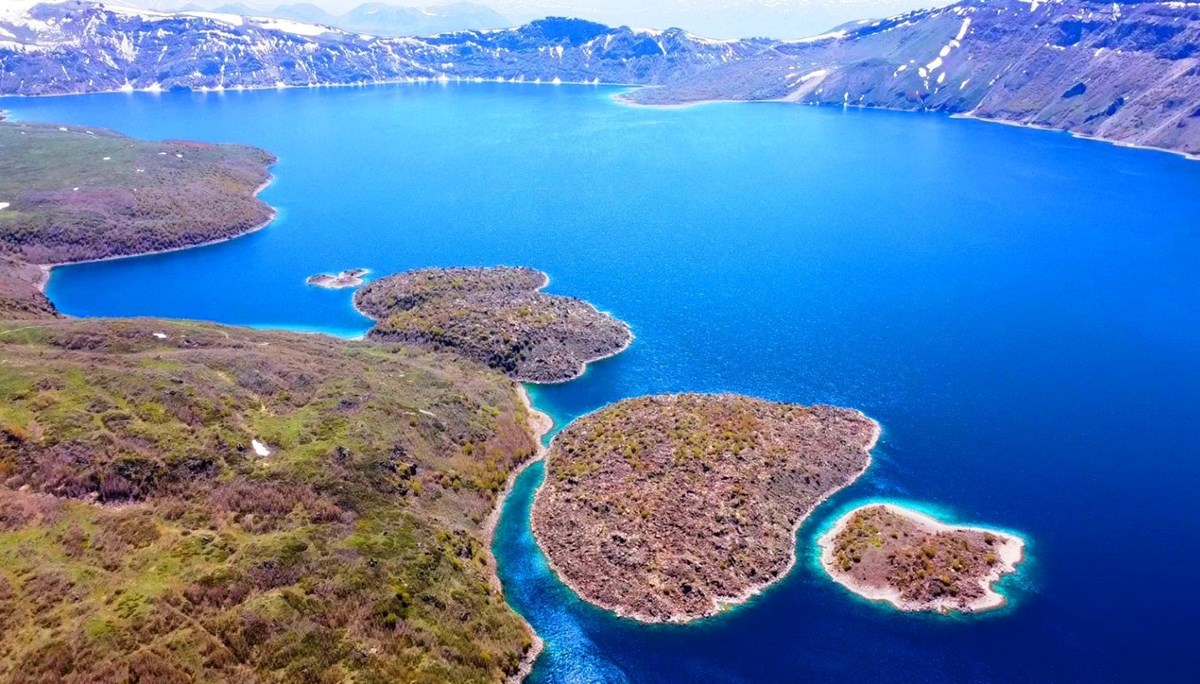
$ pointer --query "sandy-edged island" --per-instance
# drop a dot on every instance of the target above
(497, 316)
(884, 552)
(337, 281)
(671, 508)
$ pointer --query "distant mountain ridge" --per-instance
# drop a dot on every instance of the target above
(1127, 72)
(1123, 72)
(382, 19)
(77, 47)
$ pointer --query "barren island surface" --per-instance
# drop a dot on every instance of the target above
(888, 553)
(496, 316)
(337, 281)
(667, 508)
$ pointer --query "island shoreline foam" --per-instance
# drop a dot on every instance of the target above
(990, 601)
(720, 604)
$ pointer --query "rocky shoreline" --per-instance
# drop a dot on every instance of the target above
(884, 552)
(338, 281)
(539, 424)
(669, 509)
(496, 316)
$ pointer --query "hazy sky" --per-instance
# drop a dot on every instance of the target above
(713, 18)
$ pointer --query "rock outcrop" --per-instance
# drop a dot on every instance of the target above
(496, 316)
(1128, 73)
(888, 553)
(667, 508)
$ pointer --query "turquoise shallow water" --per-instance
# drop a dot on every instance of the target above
(1019, 309)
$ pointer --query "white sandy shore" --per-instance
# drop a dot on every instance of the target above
(407, 81)
(721, 603)
(1010, 553)
(1119, 143)
(620, 98)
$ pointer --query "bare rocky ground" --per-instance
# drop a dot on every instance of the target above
(1128, 73)
(496, 316)
(20, 291)
(887, 553)
(666, 508)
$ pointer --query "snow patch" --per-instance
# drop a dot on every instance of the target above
(832, 35)
(962, 31)
(293, 27)
(220, 17)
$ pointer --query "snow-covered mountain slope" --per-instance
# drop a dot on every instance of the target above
(1124, 72)
(85, 47)
(382, 19)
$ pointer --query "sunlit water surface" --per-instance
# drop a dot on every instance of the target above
(1019, 309)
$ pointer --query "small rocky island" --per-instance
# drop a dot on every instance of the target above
(887, 553)
(496, 316)
(668, 508)
(337, 281)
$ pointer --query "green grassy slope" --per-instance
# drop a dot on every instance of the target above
(144, 538)
(77, 194)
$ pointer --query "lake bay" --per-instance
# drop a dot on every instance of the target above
(1019, 309)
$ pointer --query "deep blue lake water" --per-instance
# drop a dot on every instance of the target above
(1019, 309)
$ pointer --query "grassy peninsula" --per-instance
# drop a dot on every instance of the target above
(72, 194)
(496, 316)
(888, 553)
(188, 502)
(185, 502)
(667, 508)
(77, 194)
